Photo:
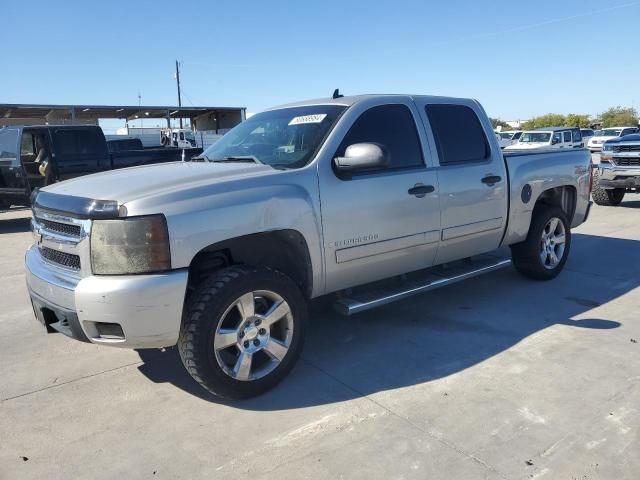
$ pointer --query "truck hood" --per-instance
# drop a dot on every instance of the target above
(634, 137)
(134, 183)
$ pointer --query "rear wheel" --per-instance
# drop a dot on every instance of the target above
(243, 331)
(608, 198)
(543, 254)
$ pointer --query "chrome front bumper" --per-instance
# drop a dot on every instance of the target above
(148, 308)
(614, 176)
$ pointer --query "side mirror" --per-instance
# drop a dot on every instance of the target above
(555, 141)
(361, 157)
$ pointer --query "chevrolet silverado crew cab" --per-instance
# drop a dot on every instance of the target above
(618, 172)
(362, 197)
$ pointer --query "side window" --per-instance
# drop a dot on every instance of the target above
(27, 147)
(8, 146)
(181, 135)
(77, 142)
(516, 136)
(576, 136)
(391, 126)
(557, 138)
(458, 133)
(567, 137)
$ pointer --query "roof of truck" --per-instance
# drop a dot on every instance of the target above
(347, 101)
(555, 129)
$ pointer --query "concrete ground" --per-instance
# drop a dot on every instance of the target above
(498, 377)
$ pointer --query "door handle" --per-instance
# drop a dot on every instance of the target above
(491, 179)
(420, 190)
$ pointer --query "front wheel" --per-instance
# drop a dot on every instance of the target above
(608, 198)
(243, 331)
(543, 254)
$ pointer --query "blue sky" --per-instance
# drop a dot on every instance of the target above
(519, 59)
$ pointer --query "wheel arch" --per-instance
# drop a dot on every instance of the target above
(564, 197)
(285, 250)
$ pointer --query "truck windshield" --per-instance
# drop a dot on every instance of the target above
(189, 136)
(610, 132)
(535, 137)
(283, 138)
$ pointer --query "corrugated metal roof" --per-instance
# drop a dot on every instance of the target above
(92, 112)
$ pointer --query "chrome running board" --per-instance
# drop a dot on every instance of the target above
(430, 279)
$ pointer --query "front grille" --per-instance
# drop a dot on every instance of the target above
(63, 259)
(627, 162)
(626, 148)
(63, 228)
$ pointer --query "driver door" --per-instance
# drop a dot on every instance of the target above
(376, 224)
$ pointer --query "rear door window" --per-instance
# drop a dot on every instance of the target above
(567, 137)
(72, 142)
(458, 134)
(576, 135)
(392, 127)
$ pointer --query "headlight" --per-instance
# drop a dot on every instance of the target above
(607, 152)
(130, 245)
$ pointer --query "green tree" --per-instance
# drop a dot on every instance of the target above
(543, 121)
(577, 120)
(496, 122)
(619, 117)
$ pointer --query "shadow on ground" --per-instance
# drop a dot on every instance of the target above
(433, 335)
(14, 225)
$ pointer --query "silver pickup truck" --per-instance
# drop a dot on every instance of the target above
(618, 172)
(369, 198)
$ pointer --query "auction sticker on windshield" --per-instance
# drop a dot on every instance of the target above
(318, 118)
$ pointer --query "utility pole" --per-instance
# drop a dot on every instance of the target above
(178, 82)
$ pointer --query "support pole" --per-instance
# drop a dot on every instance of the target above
(178, 82)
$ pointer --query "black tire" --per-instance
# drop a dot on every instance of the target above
(526, 256)
(205, 311)
(607, 198)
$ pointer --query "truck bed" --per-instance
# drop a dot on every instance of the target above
(531, 173)
(133, 158)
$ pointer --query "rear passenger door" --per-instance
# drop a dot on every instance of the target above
(471, 176)
(567, 140)
(78, 151)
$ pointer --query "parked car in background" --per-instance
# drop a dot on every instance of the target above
(508, 138)
(34, 156)
(601, 136)
(221, 254)
(618, 172)
(548, 138)
(587, 133)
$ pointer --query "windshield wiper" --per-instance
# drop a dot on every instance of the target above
(240, 158)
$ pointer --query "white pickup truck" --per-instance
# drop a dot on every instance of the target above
(333, 196)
